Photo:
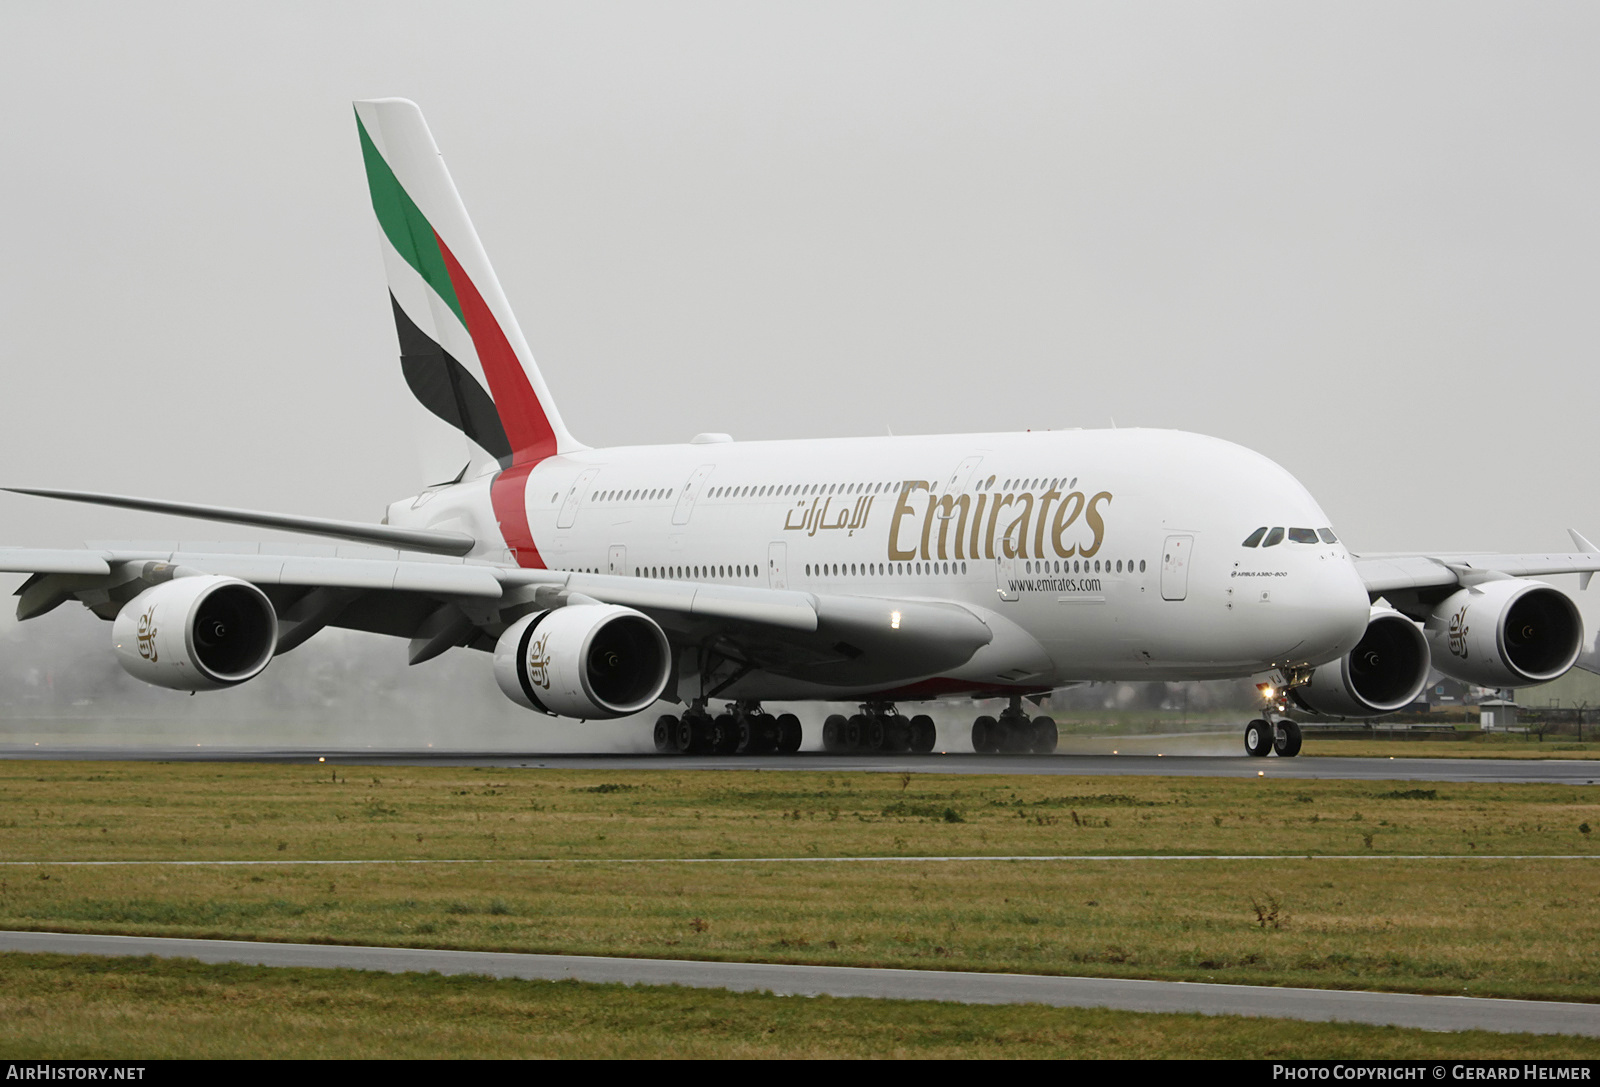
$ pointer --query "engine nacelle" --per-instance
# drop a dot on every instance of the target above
(1506, 633)
(196, 633)
(591, 661)
(1386, 671)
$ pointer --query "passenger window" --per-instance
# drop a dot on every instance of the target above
(1327, 535)
(1255, 537)
(1303, 535)
(1274, 538)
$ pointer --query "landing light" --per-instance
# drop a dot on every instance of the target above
(894, 620)
(1267, 691)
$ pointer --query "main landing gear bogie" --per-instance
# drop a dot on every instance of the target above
(743, 730)
(879, 728)
(1264, 736)
(1012, 733)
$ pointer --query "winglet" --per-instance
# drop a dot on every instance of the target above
(1588, 549)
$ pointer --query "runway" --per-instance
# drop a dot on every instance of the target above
(1445, 1013)
(1539, 771)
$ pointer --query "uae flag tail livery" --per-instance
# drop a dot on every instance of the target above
(461, 352)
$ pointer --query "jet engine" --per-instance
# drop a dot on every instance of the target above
(590, 661)
(1506, 633)
(198, 633)
(1384, 672)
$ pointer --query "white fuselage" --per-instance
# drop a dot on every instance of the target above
(1094, 555)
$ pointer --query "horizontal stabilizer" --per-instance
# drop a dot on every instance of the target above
(431, 541)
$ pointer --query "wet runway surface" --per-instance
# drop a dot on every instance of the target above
(1545, 771)
(1319, 1005)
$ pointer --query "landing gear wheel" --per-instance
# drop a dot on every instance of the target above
(1045, 736)
(749, 730)
(923, 734)
(1288, 743)
(725, 734)
(1016, 733)
(1258, 739)
(834, 739)
(694, 734)
(666, 735)
(897, 734)
(877, 735)
(855, 732)
(986, 735)
(788, 733)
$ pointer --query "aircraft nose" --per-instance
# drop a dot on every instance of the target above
(1338, 612)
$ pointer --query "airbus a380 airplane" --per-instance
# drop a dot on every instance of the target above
(871, 571)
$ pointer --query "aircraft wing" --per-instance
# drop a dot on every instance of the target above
(1388, 574)
(440, 602)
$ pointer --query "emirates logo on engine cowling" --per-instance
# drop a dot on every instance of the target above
(539, 663)
(1458, 633)
(147, 635)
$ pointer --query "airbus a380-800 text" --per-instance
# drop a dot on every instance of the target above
(874, 572)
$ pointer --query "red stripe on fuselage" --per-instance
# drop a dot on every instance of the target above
(509, 496)
(940, 687)
(527, 427)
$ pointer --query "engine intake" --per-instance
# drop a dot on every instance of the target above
(1384, 672)
(196, 633)
(1507, 633)
(590, 661)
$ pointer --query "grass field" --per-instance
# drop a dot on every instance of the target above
(1463, 746)
(152, 1009)
(549, 868)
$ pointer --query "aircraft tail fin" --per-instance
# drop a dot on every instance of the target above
(461, 351)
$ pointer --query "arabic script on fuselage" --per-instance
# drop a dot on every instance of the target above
(968, 524)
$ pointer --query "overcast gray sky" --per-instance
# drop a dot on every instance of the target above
(1360, 238)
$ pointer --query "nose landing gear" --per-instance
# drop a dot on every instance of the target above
(1272, 731)
(1264, 736)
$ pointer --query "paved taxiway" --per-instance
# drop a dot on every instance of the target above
(1319, 1005)
(1541, 771)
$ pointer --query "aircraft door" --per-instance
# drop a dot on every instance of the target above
(1005, 569)
(580, 487)
(691, 491)
(1175, 555)
(777, 566)
(619, 560)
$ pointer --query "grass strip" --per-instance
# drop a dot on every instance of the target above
(192, 811)
(1456, 927)
(88, 1007)
(1453, 924)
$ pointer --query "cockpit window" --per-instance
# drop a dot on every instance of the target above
(1254, 538)
(1303, 535)
(1327, 535)
(1274, 538)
